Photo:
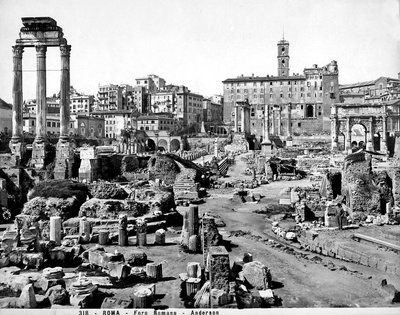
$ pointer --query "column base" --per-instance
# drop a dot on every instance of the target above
(18, 149)
(64, 160)
(38, 154)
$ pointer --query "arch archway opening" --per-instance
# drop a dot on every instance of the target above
(162, 145)
(377, 141)
(358, 135)
(151, 145)
(175, 145)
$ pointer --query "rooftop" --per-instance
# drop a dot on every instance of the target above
(365, 83)
(266, 78)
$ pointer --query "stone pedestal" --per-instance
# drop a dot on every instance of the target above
(55, 230)
(219, 268)
(266, 148)
(88, 167)
(88, 170)
(38, 154)
(64, 160)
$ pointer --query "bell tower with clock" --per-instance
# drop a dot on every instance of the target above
(283, 58)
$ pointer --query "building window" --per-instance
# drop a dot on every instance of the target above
(310, 111)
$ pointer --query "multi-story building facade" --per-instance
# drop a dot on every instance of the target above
(114, 121)
(297, 103)
(5, 117)
(381, 89)
(138, 100)
(126, 92)
(155, 122)
(152, 83)
(109, 97)
(52, 124)
(189, 106)
(87, 126)
(163, 101)
(212, 111)
(53, 106)
(80, 103)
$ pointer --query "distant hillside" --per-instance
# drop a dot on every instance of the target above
(5, 105)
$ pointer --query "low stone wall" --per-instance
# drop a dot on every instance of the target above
(329, 247)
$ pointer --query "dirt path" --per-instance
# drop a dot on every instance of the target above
(305, 283)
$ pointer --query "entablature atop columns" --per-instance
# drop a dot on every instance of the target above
(40, 30)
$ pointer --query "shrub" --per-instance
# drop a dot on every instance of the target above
(60, 188)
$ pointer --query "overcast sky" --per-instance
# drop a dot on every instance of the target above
(200, 43)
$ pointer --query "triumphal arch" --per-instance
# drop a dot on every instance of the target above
(378, 121)
(41, 33)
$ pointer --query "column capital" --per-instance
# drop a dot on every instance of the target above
(65, 50)
(17, 51)
(41, 50)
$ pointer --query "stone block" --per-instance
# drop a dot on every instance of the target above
(218, 297)
(81, 301)
(58, 295)
(257, 275)
(27, 298)
(194, 270)
(10, 240)
(118, 270)
(44, 284)
(98, 258)
(219, 267)
(160, 237)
